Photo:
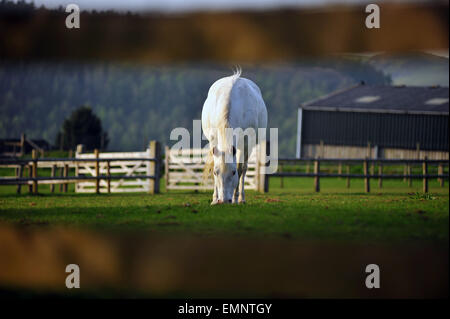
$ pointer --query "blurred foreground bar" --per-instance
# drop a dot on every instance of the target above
(241, 36)
(130, 265)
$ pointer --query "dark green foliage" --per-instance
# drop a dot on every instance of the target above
(137, 103)
(414, 69)
(82, 127)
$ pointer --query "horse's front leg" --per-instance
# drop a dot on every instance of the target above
(236, 194)
(236, 190)
(241, 198)
(215, 199)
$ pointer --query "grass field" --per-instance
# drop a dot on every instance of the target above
(394, 213)
(175, 244)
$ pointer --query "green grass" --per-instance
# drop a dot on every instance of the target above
(395, 213)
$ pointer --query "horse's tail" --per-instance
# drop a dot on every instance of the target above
(237, 73)
(224, 124)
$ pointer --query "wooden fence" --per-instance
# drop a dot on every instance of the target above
(368, 170)
(95, 172)
(184, 170)
(18, 147)
(140, 171)
(124, 163)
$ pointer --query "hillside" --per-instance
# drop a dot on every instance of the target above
(417, 69)
(138, 102)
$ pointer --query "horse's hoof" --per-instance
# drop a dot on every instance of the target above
(242, 202)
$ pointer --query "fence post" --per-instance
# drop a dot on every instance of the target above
(348, 177)
(97, 172)
(20, 175)
(166, 165)
(66, 172)
(257, 166)
(34, 171)
(155, 151)
(441, 172)
(108, 172)
(266, 176)
(280, 169)
(316, 175)
(52, 186)
(263, 185)
(340, 169)
(30, 187)
(61, 173)
(425, 172)
(80, 148)
(366, 176)
(380, 173)
(78, 151)
(372, 164)
(417, 150)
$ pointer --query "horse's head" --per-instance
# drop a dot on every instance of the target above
(225, 174)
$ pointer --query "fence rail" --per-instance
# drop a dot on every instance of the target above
(68, 179)
(68, 161)
(368, 173)
(386, 176)
(184, 170)
(94, 172)
(140, 171)
(359, 160)
(19, 147)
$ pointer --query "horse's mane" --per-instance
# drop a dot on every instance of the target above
(224, 124)
(209, 166)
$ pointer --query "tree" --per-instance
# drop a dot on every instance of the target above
(82, 127)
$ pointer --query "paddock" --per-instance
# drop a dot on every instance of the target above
(311, 205)
(182, 170)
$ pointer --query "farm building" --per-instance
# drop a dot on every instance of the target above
(12, 147)
(376, 121)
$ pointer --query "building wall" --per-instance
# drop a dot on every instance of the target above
(337, 151)
(387, 130)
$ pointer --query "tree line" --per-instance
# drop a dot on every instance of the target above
(140, 102)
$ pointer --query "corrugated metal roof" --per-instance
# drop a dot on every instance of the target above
(385, 99)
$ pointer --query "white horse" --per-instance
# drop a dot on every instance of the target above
(233, 104)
